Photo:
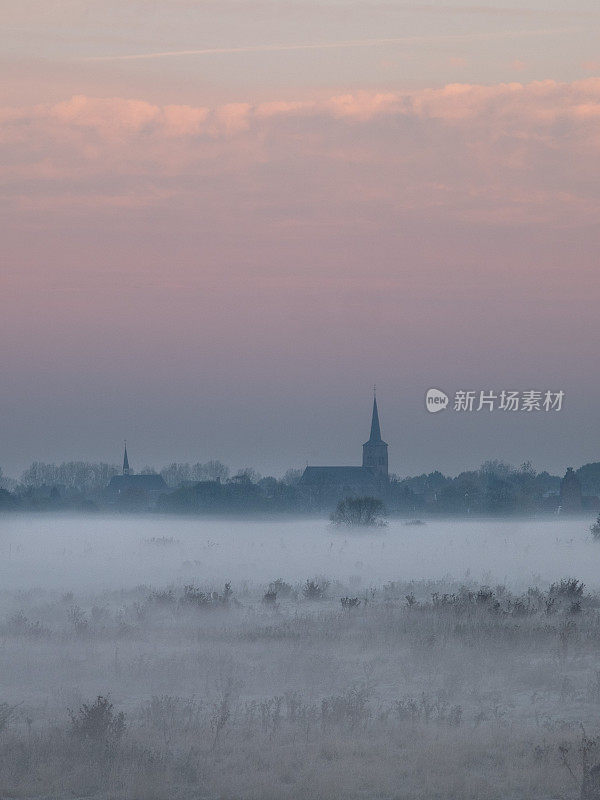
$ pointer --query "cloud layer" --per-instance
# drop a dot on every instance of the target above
(500, 153)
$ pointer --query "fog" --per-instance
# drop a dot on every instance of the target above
(103, 553)
(155, 658)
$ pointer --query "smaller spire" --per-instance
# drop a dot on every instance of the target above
(125, 461)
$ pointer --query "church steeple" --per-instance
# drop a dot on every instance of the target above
(125, 462)
(375, 455)
(375, 429)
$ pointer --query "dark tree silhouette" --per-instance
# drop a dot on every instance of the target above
(366, 512)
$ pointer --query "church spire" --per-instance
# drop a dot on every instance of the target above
(375, 429)
(125, 461)
(375, 455)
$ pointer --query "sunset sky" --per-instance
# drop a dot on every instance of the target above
(224, 221)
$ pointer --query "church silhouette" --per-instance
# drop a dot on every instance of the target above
(371, 478)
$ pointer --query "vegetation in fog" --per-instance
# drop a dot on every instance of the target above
(424, 688)
(359, 512)
(98, 723)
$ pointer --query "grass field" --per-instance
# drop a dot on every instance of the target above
(435, 686)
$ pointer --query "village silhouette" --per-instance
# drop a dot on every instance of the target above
(494, 488)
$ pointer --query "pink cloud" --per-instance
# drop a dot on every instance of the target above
(111, 116)
(231, 118)
(120, 117)
(445, 147)
(364, 105)
(184, 120)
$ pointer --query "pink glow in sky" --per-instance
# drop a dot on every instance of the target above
(223, 222)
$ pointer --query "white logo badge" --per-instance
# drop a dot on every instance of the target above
(435, 400)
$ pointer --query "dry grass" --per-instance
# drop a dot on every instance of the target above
(419, 691)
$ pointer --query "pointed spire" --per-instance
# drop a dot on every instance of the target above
(125, 461)
(375, 429)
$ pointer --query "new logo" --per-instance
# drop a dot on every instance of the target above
(435, 400)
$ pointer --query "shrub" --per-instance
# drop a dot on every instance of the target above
(162, 597)
(359, 512)
(18, 625)
(595, 529)
(315, 589)
(567, 589)
(282, 589)
(77, 619)
(192, 595)
(227, 595)
(98, 723)
(484, 595)
(270, 598)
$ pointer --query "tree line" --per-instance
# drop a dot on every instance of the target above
(493, 488)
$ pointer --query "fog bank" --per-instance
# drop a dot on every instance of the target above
(98, 553)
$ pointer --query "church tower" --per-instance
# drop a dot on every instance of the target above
(375, 451)
(125, 462)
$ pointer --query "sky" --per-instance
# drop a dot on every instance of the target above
(224, 221)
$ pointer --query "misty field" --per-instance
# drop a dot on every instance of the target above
(161, 658)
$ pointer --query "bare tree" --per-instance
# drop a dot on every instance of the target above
(292, 476)
(176, 474)
(359, 512)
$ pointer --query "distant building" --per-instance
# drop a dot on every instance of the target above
(327, 483)
(571, 499)
(136, 491)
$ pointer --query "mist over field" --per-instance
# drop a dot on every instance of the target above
(90, 553)
(154, 658)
